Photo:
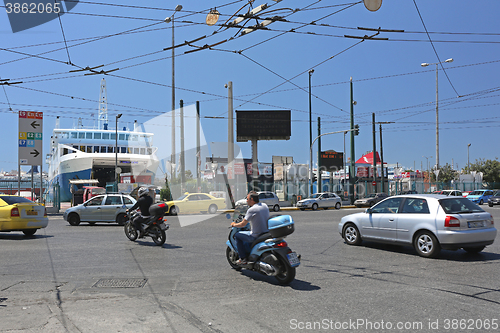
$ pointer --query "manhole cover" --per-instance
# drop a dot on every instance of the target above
(120, 283)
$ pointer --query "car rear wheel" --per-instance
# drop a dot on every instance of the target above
(475, 249)
(174, 210)
(314, 206)
(351, 234)
(481, 201)
(276, 208)
(74, 220)
(212, 209)
(337, 205)
(29, 232)
(426, 245)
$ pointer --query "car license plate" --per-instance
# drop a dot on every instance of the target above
(475, 224)
(293, 259)
(31, 212)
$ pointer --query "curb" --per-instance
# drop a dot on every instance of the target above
(293, 208)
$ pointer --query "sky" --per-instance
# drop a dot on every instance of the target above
(269, 71)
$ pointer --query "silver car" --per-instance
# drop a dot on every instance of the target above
(102, 208)
(428, 222)
(370, 199)
(269, 198)
(323, 200)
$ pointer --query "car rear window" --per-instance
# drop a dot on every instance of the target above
(415, 206)
(10, 200)
(459, 206)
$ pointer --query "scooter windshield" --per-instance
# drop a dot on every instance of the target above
(240, 210)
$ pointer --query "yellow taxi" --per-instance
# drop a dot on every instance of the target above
(195, 203)
(20, 214)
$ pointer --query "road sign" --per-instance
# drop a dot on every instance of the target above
(30, 138)
(374, 183)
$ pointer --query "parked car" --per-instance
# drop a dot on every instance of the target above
(102, 208)
(323, 200)
(20, 214)
(428, 222)
(466, 193)
(370, 200)
(269, 198)
(195, 203)
(92, 191)
(455, 193)
(495, 199)
(480, 196)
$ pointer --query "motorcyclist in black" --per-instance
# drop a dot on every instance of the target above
(144, 202)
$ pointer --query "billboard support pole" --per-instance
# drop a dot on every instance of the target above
(255, 164)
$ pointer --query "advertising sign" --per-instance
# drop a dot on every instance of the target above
(263, 125)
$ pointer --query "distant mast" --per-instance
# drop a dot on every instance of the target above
(103, 106)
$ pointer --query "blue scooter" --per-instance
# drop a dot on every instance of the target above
(270, 254)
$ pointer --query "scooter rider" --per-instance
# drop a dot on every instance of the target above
(257, 215)
(144, 202)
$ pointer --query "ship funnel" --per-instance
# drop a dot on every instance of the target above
(57, 122)
(135, 125)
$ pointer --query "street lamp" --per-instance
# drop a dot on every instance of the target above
(118, 116)
(168, 20)
(437, 108)
(311, 71)
(468, 163)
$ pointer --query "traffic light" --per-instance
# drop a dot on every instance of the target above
(356, 129)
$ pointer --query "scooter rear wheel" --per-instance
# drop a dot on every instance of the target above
(287, 273)
(231, 257)
(130, 231)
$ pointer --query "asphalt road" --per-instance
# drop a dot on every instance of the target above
(93, 279)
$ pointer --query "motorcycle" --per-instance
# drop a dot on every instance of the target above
(270, 254)
(154, 226)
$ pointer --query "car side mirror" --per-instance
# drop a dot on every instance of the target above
(368, 211)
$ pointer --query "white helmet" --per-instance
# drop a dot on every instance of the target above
(142, 192)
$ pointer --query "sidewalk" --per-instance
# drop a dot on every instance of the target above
(53, 210)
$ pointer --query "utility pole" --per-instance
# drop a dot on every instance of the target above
(352, 175)
(311, 71)
(373, 154)
(230, 135)
(319, 187)
(182, 154)
(198, 152)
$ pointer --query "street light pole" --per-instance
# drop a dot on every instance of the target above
(437, 109)
(172, 157)
(382, 154)
(311, 71)
(468, 163)
(118, 116)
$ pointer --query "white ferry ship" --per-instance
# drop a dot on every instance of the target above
(93, 153)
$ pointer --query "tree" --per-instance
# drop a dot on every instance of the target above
(489, 168)
(447, 174)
